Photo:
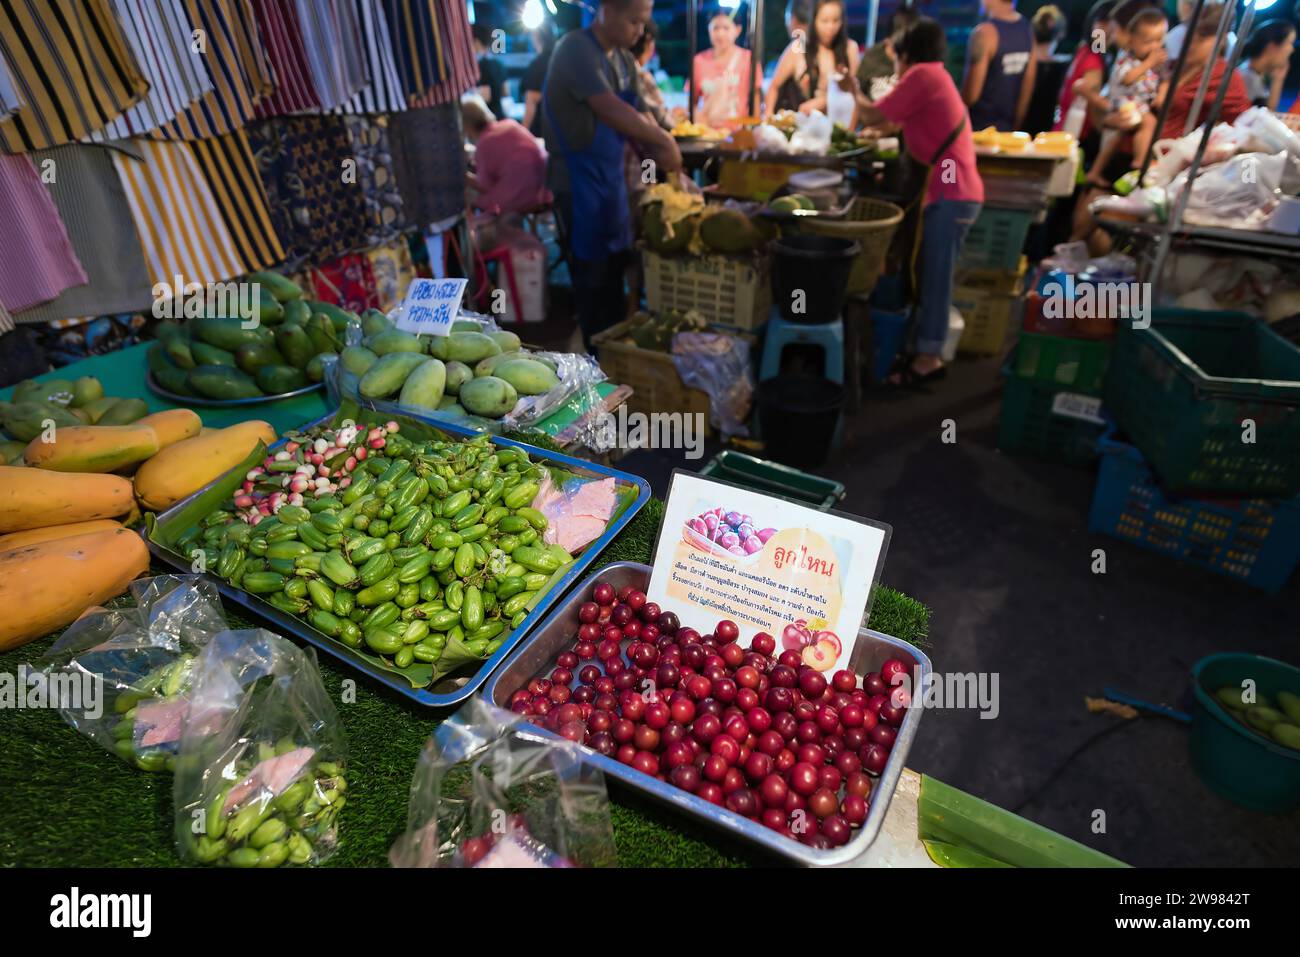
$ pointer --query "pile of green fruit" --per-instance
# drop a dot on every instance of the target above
(63, 402)
(168, 681)
(225, 357)
(715, 230)
(428, 557)
(791, 202)
(656, 332)
(1280, 723)
(469, 371)
(297, 826)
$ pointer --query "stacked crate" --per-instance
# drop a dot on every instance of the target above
(990, 272)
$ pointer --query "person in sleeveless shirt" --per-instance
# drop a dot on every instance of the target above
(1000, 68)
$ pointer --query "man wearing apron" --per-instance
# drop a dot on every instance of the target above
(1000, 69)
(591, 109)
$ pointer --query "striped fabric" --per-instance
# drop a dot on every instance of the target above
(36, 259)
(93, 208)
(231, 173)
(414, 28)
(384, 93)
(71, 67)
(181, 228)
(294, 92)
(159, 34)
(331, 37)
(236, 61)
(453, 44)
(6, 320)
(9, 101)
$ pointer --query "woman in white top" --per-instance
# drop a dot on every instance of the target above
(828, 52)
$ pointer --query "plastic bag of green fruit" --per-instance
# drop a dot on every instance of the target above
(122, 676)
(261, 774)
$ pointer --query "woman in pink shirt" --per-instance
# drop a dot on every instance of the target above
(718, 76)
(936, 131)
(509, 162)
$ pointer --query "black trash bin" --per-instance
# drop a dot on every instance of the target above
(817, 266)
(799, 415)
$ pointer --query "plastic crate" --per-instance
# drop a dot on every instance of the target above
(730, 290)
(1009, 282)
(1062, 361)
(772, 478)
(996, 239)
(1048, 422)
(1256, 541)
(988, 317)
(1182, 390)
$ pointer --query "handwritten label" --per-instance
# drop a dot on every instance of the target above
(431, 306)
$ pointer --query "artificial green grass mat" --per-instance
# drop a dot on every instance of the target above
(64, 802)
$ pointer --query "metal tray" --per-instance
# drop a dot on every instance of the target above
(555, 634)
(456, 687)
(189, 400)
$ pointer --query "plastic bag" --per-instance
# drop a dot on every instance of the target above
(261, 773)
(719, 365)
(1239, 193)
(812, 133)
(141, 662)
(1263, 132)
(769, 139)
(492, 791)
(840, 103)
(1171, 157)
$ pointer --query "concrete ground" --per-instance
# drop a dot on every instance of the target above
(999, 548)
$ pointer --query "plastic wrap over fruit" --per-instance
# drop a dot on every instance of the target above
(122, 676)
(490, 790)
(718, 364)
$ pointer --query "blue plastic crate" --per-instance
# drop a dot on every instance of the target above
(1255, 541)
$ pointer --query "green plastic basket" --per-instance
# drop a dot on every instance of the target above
(772, 478)
(1057, 360)
(1043, 420)
(996, 239)
(1233, 760)
(1183, 389)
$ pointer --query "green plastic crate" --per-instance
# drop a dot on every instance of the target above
(1182, 390)
(996, 239)
(771, 478)
(1048, 421)
(1062, 361)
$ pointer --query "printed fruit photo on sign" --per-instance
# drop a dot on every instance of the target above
(818, 649)
(720, 530)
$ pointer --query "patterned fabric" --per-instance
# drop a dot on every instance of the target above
(384, 93)
(180, 225)
(331, 38)
(231, 173)
(294, 92)
(6, 320)
(68, 341)
(159, 34)
(42, 264)
(237, 64)
(375, 176)
(345, 282)
(9, 103)
(317, 215)
(454, 47)
(429, 160)
(71, 67)
(391, 271)
(93, 207)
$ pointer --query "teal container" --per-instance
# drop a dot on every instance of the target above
(1233, 760)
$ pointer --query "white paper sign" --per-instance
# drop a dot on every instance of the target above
(799, 574)
(431, 306)
(1075, 406)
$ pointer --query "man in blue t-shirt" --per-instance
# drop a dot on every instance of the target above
(1000, 68)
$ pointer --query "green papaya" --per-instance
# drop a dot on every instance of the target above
(249, 358)
(278, 379)
(488, 396)
(389, 373)
(124, 412)
(295, 345)
(206, 355)
(394, 340)
(357, 359)
(423, 387)
(223, 382)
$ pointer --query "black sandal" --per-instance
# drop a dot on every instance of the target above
(909, 378)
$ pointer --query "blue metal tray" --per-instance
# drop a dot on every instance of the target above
(455, 687)
(537, 655)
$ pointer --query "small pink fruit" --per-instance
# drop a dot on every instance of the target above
(752, 544)
(730, 540)
(765, 533)
(698, 526)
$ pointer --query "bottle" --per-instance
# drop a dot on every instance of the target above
(1076, 116)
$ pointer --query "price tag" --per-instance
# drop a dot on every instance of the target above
(431, 306)
(801, 575)
(1072, 405)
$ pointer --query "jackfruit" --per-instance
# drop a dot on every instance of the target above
(729, 231)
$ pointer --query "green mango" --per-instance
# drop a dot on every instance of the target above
(373, 322)
(389, 373)
(447, 402)
(1287, 735)
(249, 358)
(316, 366)
(280, 287)
(1261, 719)
(295, 345)
(457, 375)
(166, 331)
(297, 312)
(486, 366)
(323, 336)
(98, 407)
(173, 380)
(86, 390)
(1290, 705)
(489, 397)
(206, 355)
(527, 376)
(278, 379)
(268, 311)
(124, 412)
(470, 347)
(423, 387)
(506, 341)
(26, 420)
(223, 382)
(466, 325)
(357, 359)
(228, 334)
(179, 351)
(394, 340)
(11, 451)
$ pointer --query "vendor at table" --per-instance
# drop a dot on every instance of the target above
(828, 54)
(591, 109)
(936, 130)
(721, 76)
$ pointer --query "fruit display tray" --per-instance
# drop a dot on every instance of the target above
(201, 401)
(458, 686)
(536, 653)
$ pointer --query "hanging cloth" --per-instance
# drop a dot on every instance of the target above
(414, 28)
(159, 33)
(373, 151)
(331, 38)
(94, 210)
(384, 93)
(455, 46)
(36, 261)
(181, 228)
(71, 67)
(294, 91)
(237, 64)
(391, 271)
(429, 161)
(231, 173)
(9, 101)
